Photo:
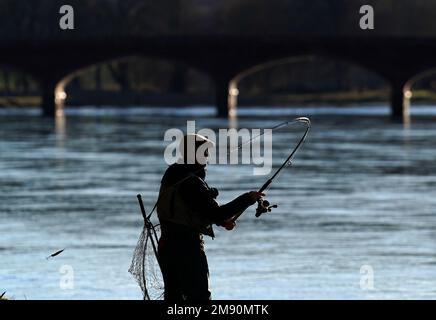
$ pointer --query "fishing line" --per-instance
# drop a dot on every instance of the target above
(263, 205)
(280, 125)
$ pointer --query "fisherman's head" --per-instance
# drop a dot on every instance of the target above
(194, 149)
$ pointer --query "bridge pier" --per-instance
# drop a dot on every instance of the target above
(53, 97)
(226, 97)
(400, 101)
(48, 101)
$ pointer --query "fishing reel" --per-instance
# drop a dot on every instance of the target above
(263, 206)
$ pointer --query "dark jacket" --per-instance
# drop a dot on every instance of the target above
(186, 203)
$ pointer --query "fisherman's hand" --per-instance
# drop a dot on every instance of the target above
(229, 224)
(254, 196)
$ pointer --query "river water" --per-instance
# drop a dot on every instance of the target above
(356, 216)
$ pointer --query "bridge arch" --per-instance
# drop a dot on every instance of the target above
(416, 80)
(233, 91)
(177, 75)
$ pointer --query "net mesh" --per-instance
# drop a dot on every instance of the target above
(145, 267)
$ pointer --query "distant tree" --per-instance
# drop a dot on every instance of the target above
(119, 71)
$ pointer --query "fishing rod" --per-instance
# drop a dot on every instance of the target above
(263, 205)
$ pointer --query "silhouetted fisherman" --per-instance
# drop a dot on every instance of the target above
(187, 209)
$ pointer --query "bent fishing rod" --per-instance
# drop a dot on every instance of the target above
(264, 205)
